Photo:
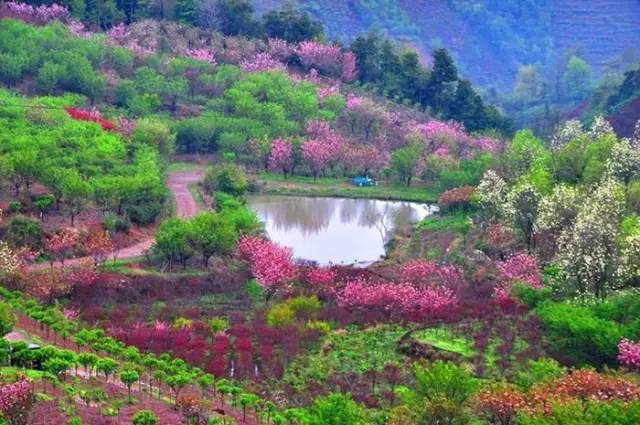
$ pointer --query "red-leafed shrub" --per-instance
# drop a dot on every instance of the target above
(458, 199)
(93, 116)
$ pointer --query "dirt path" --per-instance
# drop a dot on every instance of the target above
(186, 207)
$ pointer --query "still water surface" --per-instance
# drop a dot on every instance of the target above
(335, 230)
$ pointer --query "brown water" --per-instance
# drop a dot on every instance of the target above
(335, 230)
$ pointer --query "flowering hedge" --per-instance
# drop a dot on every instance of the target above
(92, 116)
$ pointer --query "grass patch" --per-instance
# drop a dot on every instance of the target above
(445, 339)
(32, 374)
(276, 184)
(176, 167)
(456, 222)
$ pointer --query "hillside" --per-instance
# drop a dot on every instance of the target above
(489, 39)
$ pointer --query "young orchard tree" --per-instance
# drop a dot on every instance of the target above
(209, 234)
(106, 366)
(129, 377)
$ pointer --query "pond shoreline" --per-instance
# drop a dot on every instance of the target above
(270, 184)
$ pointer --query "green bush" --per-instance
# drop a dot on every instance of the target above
(577, 336)
(25, 232)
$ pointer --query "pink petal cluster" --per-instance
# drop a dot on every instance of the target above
(271, 264)
(204, 55)
(434, 129)
(364, 158)
(77, 28)
(326, 58)
(318, 129)
(349, 68)
(629, 354)
(403, 298)
(423, 272)
(261, 62)
(42, 14)
(521, 267)
(281, 155)
(321, 276)
(279, 49)
(487, 144)
(317, 155)
(118, 33)
(16, 400)
(355, 102)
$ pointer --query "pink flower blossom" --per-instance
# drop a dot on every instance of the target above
(629, 354)
(326, 58)
(355, 102)
(118, 33)
(204, 55)
(349, 69)
(487, 144)
(261, 62)
(521, 267)
(321, 276)
(404, 299)
(271, 264)
(281, 155)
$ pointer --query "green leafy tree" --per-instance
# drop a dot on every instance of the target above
(145, 417)
(129, 377)
(172, 241)
(106, 366)
(405, 162)
(291, 25)
(210, 233)
(76, 192)
(336, 409)
(7, 319)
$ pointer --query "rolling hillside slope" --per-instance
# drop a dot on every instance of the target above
(489, 39)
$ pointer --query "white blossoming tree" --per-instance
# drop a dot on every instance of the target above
(565, 133)
(624, 163)
(491, 195)
(600, 127)
(559, 209)
(587, 251)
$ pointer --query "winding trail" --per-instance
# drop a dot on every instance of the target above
(186, 207)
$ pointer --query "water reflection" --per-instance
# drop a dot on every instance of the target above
(334, 230)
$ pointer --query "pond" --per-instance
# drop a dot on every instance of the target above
(335, 230)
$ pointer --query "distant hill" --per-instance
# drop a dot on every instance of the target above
(490, 39)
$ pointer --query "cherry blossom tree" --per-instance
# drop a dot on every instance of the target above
(261, 62)
(316, 155)
(271, 264)
(282, 156)
(326, 58)
(349, 68)
(364, 159)
(521, 267)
